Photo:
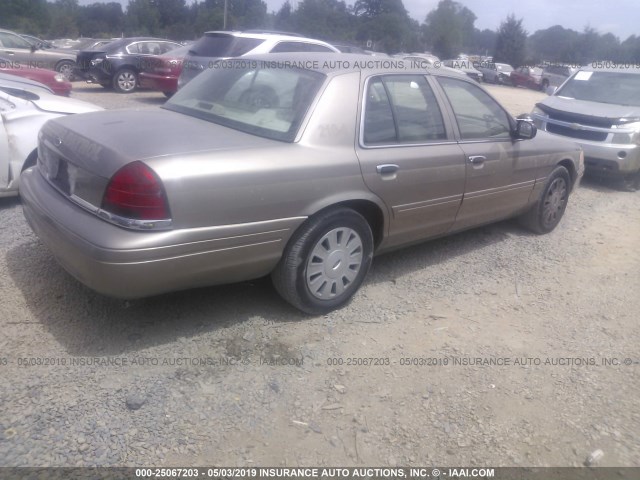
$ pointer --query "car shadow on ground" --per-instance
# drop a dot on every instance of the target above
(601, 184)
(88, 324)
(9, 202)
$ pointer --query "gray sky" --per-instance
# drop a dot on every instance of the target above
(619, 17)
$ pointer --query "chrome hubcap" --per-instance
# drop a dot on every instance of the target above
(554, 203)
(334, 263)
(126, 81)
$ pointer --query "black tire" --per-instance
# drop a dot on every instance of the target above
(545, 85)
(547, 212)
(65, 67)
(311, 283)
(125, 80)
(631, 183)
(168, 94)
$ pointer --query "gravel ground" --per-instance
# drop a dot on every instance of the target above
(516, 345)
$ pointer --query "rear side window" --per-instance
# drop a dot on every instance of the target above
(223, 45)
(401, 109)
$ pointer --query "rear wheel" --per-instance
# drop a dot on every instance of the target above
(125, 80)
(325, 262)
(547, 212)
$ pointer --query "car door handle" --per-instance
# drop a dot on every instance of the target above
(477, 160)
(387, 169)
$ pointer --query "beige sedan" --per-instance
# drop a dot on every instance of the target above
(301, 166)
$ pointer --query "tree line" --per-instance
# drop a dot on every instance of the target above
(381, 25)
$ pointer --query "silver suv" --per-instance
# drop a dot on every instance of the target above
(213, 46)
(600, 110)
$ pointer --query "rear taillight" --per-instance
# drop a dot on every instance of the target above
(135, 192)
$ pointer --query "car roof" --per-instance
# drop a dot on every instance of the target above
(261, 34)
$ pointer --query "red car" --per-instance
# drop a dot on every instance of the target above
(530, 77)
(161, 72)
(54, 80)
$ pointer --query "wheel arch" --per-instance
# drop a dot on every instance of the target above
(372, 209)
(571, 168)
(30, 161)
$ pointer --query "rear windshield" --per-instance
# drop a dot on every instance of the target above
(223, 45)
(616, 88)
(262, 99)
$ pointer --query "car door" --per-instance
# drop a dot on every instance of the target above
(409, 157)
(15, 48)
(500, 171)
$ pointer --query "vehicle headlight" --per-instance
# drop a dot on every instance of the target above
(58, 77)
(632, 134)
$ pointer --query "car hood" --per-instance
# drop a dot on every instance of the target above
(117, 137)
(614, 113)
(55, 104)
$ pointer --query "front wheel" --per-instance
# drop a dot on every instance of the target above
(66, 67)
(325, 262)
(125, 80)
(547, 212)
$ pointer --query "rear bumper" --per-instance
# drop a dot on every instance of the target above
(161, 83)
(131, 264)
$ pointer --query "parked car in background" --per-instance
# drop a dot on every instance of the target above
(600, 110)
(555, 75)
(499, 73)
(118, 63)
(19, 50)
(466, 67)
(257, 168)
(161, 72)
(529, 77)
(24, 109)
(56, 81)
(16, 85)
(213, 46)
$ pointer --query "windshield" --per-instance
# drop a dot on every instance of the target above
(251, 97)
(616, 88)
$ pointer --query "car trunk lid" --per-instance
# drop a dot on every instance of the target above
(79, 154)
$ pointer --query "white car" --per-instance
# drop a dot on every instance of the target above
(24, 109)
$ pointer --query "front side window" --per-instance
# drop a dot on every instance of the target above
(269, 102)
(401, 109)
(478, 115)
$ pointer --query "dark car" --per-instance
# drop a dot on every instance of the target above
(118, 63)
(499, 73)
(530, 77)
(161, 72)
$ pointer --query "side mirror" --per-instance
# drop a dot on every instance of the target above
(525, 129)
(33, 48)
(551, 90)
